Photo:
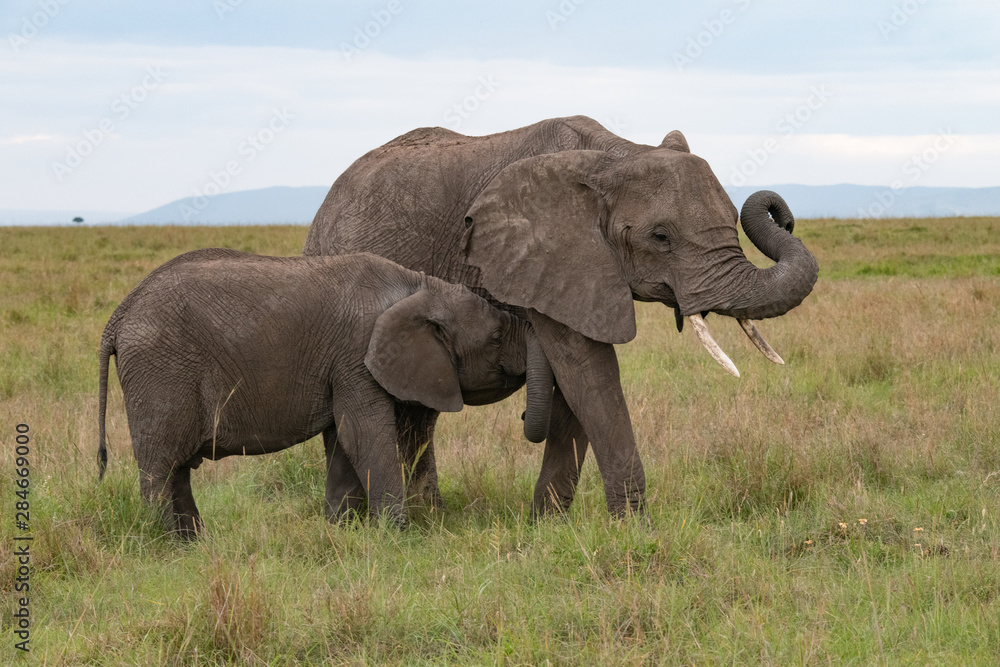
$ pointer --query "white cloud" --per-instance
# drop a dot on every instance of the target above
(212, 100)
(26, 138)
(820, 159)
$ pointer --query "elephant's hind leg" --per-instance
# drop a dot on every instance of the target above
(156, 485)
(165, 440)
(187, 520)
(170, 490)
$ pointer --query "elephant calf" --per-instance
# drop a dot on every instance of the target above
(222, 352)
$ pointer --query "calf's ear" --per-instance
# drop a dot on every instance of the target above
(408, 355)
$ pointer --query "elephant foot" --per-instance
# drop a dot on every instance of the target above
(432, 498)
(187, 527)
(627, 505)
(425, 491)
(346, 518)
(550, 502)
(392, 519)
(348, 510)
(170, 494)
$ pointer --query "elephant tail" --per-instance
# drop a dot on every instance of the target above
(107, 349)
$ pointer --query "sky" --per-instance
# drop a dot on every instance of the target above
(124, 106)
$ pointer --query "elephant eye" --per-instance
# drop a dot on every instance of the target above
(660, 237)
(497, 338)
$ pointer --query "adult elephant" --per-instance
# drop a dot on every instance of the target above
(567, 223)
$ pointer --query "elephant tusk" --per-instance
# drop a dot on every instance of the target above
(758, 340)
(705, 337)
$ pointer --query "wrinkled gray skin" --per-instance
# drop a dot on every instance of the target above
(221, 352)
(566, 223)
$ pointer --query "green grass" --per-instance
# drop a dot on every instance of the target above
(840, 508)
(916, 248)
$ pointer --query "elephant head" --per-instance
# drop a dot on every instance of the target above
(443, 347)
(577, 235)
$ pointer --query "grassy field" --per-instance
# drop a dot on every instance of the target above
(842, 508)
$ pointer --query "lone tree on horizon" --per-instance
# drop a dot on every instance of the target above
(78, 220)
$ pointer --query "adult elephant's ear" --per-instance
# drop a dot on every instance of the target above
(535, 234)
(409, 355)
(675, 141)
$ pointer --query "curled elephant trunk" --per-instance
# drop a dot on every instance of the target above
(763, 293)
(774, 291)
(538, 386)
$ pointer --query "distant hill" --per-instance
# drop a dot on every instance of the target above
(267, 206)
(287, 205)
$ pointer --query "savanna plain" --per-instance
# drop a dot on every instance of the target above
(842, 508)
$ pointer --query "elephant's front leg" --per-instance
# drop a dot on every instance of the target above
(415, 428)
(565, 449)
(588, 377)
(366, 429)
(344, 493)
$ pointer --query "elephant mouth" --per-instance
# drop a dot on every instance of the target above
(655, 293)
(708, 342)
(663, 293)
(493, 393)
